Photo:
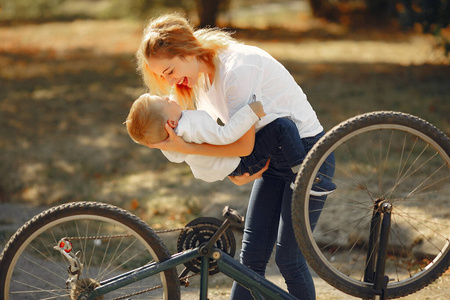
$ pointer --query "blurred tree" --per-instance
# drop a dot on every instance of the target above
(380, 8)
(323, 9)
(141, 8)
(208, 10)
(428, 13)
(432, 15)
(24, 10)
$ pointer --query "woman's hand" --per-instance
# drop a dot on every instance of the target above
(246, 178)
(172, 143)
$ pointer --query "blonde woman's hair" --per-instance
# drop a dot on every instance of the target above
(172, 35)
(146, 120)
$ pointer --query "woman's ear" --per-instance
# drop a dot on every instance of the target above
(172, 123)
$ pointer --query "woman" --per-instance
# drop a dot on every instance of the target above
(207, 69)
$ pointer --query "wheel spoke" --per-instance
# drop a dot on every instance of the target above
(106, 241)
(381, 157)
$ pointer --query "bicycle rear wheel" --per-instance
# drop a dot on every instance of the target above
(110, 241)
(380, 156)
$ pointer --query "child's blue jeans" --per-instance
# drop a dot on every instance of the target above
(268, 225)
(278, 141)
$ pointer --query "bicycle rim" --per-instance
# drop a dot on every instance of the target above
(109, 241)
(383, 156)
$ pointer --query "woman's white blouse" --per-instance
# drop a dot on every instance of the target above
(243, 71)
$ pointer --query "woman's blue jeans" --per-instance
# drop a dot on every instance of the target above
(268, 224)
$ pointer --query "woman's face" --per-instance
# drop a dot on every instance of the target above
(176, 70)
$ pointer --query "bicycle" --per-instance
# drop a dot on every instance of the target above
(390, 211)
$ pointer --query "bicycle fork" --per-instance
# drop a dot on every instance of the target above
(380, 227)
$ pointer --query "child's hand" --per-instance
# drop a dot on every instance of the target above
(246, 178)
(257, 108)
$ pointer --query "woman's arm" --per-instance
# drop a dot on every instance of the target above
(242, 147)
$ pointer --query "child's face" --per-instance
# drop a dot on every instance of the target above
(172, 108)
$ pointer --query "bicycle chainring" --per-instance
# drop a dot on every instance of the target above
(197, 233)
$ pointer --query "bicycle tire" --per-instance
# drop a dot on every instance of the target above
(380, 155)
(111, 240)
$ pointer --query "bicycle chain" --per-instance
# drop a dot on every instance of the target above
(101, 237)
(151, 289)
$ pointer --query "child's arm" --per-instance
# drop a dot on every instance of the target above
(246, 178)
(237, 126)
(258, 109)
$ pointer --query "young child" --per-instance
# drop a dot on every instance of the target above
(149, 114)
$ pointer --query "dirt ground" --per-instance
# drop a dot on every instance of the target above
(65, 90)
(219, 284)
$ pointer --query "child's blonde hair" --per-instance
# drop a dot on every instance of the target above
(146, 120)
(172, 35)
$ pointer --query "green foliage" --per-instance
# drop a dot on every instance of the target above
(429, 14)
(433, 16)
(50, 10)
(29, 9)
(442, 36)
(408, 12)
(140, 8)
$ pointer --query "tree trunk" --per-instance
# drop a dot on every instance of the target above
(208, 10)
(380, 8)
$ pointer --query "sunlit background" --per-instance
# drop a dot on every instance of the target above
(68, 78)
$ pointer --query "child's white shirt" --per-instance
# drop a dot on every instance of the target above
(243, 71)
(197, 126)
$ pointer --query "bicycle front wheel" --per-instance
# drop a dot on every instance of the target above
(380, 157)
(107, 241)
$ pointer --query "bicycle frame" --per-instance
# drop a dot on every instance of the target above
(260, 287)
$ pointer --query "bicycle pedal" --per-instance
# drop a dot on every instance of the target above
(232, 215)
